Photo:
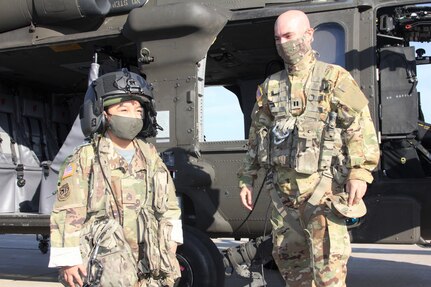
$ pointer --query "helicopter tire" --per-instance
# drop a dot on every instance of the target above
(200, 261)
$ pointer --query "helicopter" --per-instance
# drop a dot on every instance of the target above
(47, 48)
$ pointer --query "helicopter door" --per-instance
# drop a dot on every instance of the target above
(398, 94)
(399, 113)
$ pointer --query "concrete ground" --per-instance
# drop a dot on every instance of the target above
(371, 265)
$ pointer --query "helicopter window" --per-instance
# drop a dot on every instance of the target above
(329, 41)
(222, 116)
(5, 138)
(423, 74)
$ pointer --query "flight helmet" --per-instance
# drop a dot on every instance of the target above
(113, 88)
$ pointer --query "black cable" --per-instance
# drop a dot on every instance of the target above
(257, 198)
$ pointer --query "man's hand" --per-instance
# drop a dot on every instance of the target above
(356, 189)
(246, 195)
(72, 274)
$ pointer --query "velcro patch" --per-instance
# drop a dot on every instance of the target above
(69, 170)
(63, 192)
(259, 94)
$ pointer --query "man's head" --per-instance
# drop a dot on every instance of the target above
(293, 36)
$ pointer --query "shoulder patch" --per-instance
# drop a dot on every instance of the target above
(69, 170)
(259, 93)
(63, 192)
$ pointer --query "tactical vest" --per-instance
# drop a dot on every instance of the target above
(305, 142)
(153, 231)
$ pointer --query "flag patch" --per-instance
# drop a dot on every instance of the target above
(69, 170)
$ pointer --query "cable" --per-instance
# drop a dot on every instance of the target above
(257, 198)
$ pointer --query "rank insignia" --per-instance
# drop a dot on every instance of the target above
(63, 192)
(69, 170)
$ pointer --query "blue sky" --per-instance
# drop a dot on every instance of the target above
(223, 118)
(424, 82)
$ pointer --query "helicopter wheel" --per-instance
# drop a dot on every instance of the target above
(201, 263)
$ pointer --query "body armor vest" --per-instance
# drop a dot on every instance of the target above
(305, 142)
(153, 231)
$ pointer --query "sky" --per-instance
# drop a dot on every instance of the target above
(424, 82)
(223, 118)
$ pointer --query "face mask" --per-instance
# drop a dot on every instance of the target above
(125, 127)
(293, 51)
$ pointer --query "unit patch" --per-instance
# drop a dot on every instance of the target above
(69, 170)
(63, 192)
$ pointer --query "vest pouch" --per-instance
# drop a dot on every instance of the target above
(149, 254)
(169, 266)
(340, 173)
(156, 259)
(326, 155)
(281, 154)
(161, 183)
(263, 139)
(107, 255)
(308, 152)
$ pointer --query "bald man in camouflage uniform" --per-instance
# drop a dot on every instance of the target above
(312, 131)
(122, 177)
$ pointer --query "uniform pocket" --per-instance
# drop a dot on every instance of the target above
(263, 146)
(289, 239)
(339, 239)
(161, 183)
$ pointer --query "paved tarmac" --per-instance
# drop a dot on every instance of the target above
(371, 265)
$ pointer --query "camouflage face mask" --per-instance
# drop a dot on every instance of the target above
(125, 127)
(293, 51)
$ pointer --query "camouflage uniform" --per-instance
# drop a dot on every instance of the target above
(310, 250)
(83, 195)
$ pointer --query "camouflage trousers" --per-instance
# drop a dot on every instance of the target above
(155, 283)
(315, 256)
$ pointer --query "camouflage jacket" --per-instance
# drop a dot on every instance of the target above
(84, 195)
(357, 152)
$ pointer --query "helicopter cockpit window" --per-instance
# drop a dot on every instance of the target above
(423, 74)
(329, 41)
(223, 119)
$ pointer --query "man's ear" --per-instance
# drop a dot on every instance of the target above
(309, 33)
